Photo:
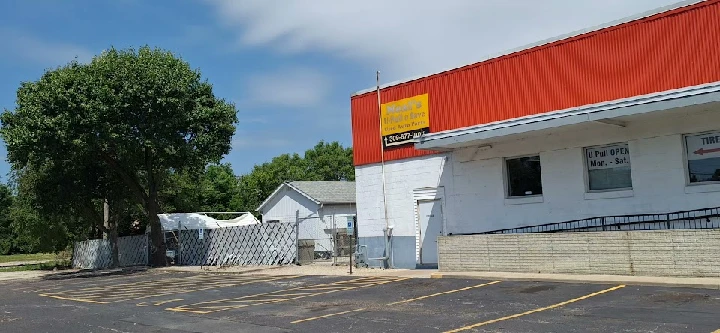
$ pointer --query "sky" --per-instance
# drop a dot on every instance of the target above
(289, 66)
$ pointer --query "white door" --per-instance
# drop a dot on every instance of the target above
(431, 226)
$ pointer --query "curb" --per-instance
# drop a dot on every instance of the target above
(216, 271)
(712, 286)
(88, 273)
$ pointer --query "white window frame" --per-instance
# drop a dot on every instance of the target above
(586, 169)
(715, 185)
(534, 198)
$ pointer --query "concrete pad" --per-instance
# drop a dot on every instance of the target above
(23, 275)
(703, 283)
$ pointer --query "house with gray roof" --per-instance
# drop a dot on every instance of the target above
(323, 208)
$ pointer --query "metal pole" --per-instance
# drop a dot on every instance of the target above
(334, 240)
(297, 237)
(178, 262)
(352, 242)
(382, 162)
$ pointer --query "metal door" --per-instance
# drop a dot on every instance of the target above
(431, 226)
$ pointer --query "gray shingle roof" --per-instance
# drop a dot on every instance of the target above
(327, 192)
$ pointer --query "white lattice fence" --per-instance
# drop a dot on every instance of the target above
(96, 253)
(258, 244)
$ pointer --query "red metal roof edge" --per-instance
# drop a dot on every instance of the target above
(674, 9)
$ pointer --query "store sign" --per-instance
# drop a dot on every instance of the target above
(201, 233)
(404, 120)
(606, 157)
(700, 147)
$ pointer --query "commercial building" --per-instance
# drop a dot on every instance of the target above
(620, 119)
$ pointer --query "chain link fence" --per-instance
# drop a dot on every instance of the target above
(257, 244)
(315, 240)
(325, 239)
(97, 253)
(308, 239)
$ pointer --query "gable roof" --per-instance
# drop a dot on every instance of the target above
(319, 192)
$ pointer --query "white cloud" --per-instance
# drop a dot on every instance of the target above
(289, 87)
(410, 37)
(24, 47)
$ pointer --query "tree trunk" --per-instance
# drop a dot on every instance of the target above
(112, 235)
(156, 232)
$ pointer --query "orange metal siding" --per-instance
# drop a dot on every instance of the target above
(670, 50)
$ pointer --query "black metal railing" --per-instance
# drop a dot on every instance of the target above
(707, 218)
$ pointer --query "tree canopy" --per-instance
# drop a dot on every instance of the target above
(128, 117)
(325, 161)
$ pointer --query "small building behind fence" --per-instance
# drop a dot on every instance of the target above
(321, 210)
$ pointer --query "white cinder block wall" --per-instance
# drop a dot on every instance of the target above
(649, 253)
(401, 178)
(478, 202)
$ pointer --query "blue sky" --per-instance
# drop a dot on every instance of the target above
(290, 66)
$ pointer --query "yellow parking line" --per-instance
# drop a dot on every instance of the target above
(168, 301)
(400, 302)
(444, 293)
(74, 299)
(326, 316)
(206, 307)
(116, 293)
(534, 311)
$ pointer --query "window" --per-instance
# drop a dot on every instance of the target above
(608, 167)
(523, 176)
(703, 157)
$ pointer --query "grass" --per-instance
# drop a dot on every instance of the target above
(47, 266)
(27, 257)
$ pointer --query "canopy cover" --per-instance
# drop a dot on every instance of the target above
(200, 221)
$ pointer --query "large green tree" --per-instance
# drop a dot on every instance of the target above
(330, 161)
(325, 161)
(134, 116)
(216, 189)
(7, 236)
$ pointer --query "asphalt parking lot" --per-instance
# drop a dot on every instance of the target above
(191, 302)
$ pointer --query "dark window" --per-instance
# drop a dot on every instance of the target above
(706, 170)
(703, 157)
(524, 176)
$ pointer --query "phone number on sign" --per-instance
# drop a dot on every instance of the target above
(403, 136)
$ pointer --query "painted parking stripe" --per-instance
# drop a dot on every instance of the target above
(74, 299)
(444, 293)
(517, 315)
(326, 316)
(399, 302)
(283, 295)
(157, 288)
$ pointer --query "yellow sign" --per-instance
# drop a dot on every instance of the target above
(404, 120)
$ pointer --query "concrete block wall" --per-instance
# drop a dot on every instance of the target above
(675, 253)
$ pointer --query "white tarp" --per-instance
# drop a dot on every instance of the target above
(189, 221)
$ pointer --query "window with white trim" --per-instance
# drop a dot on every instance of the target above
(608, 167)
(703, 157)
(523, 176)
